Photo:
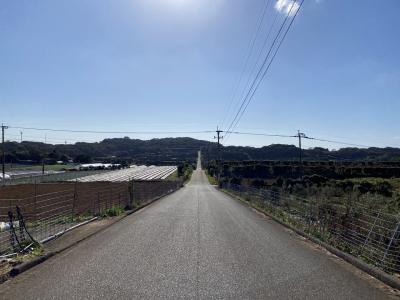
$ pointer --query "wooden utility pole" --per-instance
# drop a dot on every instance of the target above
(301, 135)
(219, 138)
(3, 128)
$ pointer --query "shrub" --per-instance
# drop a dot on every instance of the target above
(113, 211)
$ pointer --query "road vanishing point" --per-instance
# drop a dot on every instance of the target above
(197, 243)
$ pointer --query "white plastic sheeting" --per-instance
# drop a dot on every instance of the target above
(134, 172)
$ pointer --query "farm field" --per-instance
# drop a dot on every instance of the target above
(28, 173)
(134, 172)
(374, 184)
(32, 178)
(38, 167)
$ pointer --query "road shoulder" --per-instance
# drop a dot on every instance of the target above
(377, 278)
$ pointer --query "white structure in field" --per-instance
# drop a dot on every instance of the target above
(134, 172)
(6, 176)
(95, 166)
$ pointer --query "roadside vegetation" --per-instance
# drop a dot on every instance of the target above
(173, 176)
(112, 212)
(185, 171)
(127, 151)
(211, 179)
(6, 264)
(344, 204)
(333, 183)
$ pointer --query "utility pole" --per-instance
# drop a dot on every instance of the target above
(219, 138)
(21, 135)
(301, 135)
(3, 128)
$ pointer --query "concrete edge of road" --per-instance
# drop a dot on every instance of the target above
(39, 259)
(373, 271)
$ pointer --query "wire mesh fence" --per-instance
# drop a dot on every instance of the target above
(51, 209)
(351, 227)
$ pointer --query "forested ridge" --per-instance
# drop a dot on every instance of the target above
(181, 149)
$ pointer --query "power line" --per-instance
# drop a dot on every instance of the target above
(296, 136)
(111, 132)
(260, 69)
(40, 139)
(261, 134)
(250, 94)
(169, 132)
(253, 70)
(250, 52)
(338, 142)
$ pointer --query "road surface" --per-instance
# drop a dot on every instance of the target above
(197, 243)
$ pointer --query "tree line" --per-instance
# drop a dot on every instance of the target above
(157, 151)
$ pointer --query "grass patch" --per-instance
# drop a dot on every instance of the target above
(173, 176)
(113, 211)
(211, 179)
(7, 264)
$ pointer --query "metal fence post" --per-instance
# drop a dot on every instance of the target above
(309, 217)
(94, 206)
(370, 231)
(129, 204)
(131, 194)
(98, 202)
(34, 203)
(74, 200)
(390, 243)
(109, 200)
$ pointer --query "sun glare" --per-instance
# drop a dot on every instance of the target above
(179, 2)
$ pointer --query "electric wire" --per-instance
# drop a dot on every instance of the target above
(257, 81)
(339, 142)
(250, 52)
(40, 139)
(110, 132)
(262, 50)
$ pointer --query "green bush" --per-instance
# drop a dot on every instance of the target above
(113, 211)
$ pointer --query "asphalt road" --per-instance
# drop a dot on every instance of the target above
(197, 243)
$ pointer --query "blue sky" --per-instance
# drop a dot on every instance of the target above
(137, 65)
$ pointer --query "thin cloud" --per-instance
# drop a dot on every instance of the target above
(287, 7)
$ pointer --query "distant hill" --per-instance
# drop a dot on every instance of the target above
(171, 150)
